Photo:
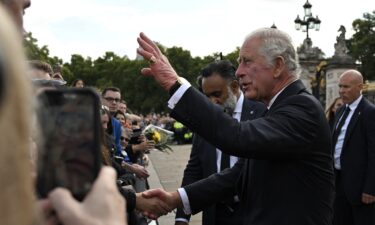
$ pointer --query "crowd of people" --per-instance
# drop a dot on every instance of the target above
(264, 151)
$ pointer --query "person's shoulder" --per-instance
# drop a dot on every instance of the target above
(368, 109)
(368, 104)
(302, 102)
(116, 122)
(256, 104)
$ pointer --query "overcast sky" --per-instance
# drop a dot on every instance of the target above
(92, 27)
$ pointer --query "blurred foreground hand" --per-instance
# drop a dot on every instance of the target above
(102, 205)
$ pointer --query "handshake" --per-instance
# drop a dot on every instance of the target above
(157, 202)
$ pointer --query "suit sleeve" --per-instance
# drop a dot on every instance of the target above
(289, 133)
(369, 187)
(215, 188)
(192, 173)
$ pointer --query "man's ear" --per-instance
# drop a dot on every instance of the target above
(278, 67)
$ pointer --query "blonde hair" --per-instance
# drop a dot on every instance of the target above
(16, 190)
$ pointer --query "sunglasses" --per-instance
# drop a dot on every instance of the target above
(110, 99)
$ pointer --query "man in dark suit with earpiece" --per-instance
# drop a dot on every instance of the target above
(353, 140)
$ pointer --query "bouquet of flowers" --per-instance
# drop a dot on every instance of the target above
(160, 136)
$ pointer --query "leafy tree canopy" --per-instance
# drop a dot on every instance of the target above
(141, 93)
(362, 44)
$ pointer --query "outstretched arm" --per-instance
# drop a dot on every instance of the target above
(158, 202)
(160, 68)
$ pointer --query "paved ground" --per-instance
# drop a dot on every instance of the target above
(166, 172)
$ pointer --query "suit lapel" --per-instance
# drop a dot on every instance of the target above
(293, 89)
(248, 111)
(356, 115)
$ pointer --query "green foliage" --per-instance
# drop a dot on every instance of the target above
(362, 44)
(141, 93)
(34, 52)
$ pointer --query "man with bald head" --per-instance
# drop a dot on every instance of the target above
(354, 154)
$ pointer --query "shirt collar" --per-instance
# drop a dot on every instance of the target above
(238, 108)
(354, 104)
(277, 94)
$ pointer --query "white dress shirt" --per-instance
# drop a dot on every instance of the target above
(237, 115)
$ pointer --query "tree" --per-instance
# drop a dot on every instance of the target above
(142, 94)
(233, 56)
(34, 52)
(362, 44)
(80, 68)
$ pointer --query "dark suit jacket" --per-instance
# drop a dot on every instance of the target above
(358, 152)
(202, 162)
(288, 175)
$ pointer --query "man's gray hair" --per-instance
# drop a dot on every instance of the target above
(277, 43)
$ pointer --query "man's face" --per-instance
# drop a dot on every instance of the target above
(219, 91)
(122, 107)
(256, 77)
(111, 99)
(349, 88)
(16, 9)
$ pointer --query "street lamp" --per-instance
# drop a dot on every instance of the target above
(308, 21)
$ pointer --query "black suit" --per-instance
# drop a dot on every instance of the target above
(202, 163)
(288, 175)
(357, 174)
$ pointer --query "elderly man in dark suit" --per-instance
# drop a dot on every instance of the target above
(354, 154)
(288, 174)
(219, 83)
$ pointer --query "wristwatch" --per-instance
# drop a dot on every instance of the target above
(177, 85)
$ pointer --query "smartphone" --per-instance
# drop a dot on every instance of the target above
(69, 146)
(135, 136)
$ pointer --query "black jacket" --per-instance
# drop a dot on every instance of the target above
(202, 163)
(358, 152)
(288, 174)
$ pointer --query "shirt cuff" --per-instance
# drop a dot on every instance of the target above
(185, 200)
(182, 220)
(178, 95)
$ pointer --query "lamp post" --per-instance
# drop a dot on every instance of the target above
(308, 21)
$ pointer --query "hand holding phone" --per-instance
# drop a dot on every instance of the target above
(69, 150)
(103, 204)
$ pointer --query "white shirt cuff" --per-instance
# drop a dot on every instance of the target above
(185, 200)
(182, 220)
(178, 94)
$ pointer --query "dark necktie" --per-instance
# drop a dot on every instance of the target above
(225, 161)
(337, 131)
